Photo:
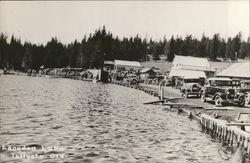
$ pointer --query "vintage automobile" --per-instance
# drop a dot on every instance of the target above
(245, 88)
(190, 86)
(133, 80)
(222, 91)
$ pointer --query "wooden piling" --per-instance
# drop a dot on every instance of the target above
(227, 134)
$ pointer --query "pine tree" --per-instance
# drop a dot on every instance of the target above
(172, 50)
(26, 61)
(214, 47)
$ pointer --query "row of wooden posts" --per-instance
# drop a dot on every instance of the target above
(151, 92)
(231, 136)
(228, 135)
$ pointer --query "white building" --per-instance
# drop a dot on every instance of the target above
(184, 66)
(237, 71)
(126, 65)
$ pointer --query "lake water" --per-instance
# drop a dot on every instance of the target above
(64, 120)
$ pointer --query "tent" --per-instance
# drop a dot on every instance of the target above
(237, 70)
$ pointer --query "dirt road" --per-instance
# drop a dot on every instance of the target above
(230, 112)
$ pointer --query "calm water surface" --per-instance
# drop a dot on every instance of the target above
(93, 122)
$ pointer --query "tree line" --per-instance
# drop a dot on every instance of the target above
(102, 45)
(213, 48)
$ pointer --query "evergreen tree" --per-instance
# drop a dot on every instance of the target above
(235, 47)
(172, 50)
(202, 46)
(3, 49)
(26, 61)
(229, 52)
(89, 53)
(214, 48)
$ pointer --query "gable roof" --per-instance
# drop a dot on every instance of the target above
(187, 73)
(145, 70)
(241, 70)
(188, 62)
(127, 63)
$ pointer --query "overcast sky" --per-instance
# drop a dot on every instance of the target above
(39, 21)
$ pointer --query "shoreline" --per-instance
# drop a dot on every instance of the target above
(218, 128)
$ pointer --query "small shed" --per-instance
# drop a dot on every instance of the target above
(146, 73)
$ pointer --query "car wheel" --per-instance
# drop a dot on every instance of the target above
(186, 95)
(247, 98)
(218, 101)
(242, 101)
(203, 98)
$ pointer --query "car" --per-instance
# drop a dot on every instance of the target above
(245, 88)
(222, 91)
(190, 86)
(133, 80)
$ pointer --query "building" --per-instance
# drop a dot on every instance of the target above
(126, 65)
(191, 66)
(109, 65)
(147, 73)
(237, 71)
(187, 73)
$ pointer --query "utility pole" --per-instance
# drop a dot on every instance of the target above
(102, 65)
(146, 53)
(236, 57)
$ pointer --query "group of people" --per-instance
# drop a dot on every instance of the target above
(122, 75)
(32, 72)
(87, 75)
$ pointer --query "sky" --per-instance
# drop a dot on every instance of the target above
(39, 21)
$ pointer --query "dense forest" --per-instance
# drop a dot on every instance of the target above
(102, 45)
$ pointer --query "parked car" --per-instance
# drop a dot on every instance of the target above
(245, 88)
(133, 80)
(190, 86)
(222, 91)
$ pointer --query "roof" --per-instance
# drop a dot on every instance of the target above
(187, 73)
(194, 63)
(109, 62)
(145, 70)
(238, 70)
(245, 81)
(224, 79)
(127, 63)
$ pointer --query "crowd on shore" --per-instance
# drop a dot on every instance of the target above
(79, 73)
